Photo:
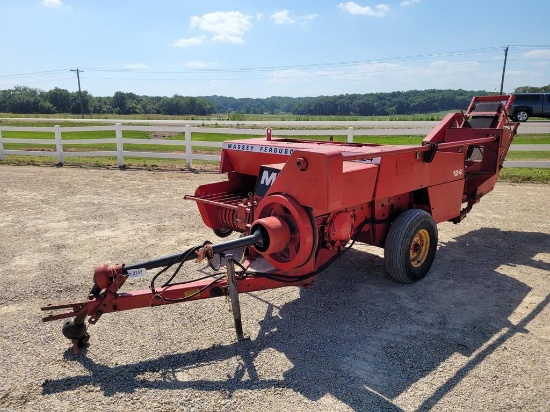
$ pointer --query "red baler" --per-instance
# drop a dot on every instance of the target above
(300, 203)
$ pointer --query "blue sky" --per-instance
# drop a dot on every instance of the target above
(273, 48)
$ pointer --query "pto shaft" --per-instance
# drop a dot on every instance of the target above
(256, 239)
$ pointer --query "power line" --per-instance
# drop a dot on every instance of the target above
(42, 81)
(32, 74)
(307, 66)
(303, 71)
(298, 75)
(271, 68)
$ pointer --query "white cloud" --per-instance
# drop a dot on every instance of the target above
(523, 78)
(259, 16)
(137, 66)
(52, 3)
(227, 38)
(282, 17)
(407, 3)
(309, 17)
(228, 27)
(189, 42)
(385, 77)
(537, 54)
(351, 7)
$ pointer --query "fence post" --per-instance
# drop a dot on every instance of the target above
(188, 147)
(58, 144)
(1, 146)
(119, 147)
(350, 135)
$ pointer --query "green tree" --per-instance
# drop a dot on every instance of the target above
(531, 89)
(75, 102)
(23, 99)
(60, 99)
(120, 103)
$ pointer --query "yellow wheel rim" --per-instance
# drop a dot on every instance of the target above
(420, 246)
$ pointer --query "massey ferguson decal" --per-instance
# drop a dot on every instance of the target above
(265, 179)
(258, 148)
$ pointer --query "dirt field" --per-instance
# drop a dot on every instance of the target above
(473, 335)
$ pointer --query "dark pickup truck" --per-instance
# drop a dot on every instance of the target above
(528, 105)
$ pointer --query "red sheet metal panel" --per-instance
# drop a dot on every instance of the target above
(446, 200)
(319, 186)
(408, 172)
(358, 183)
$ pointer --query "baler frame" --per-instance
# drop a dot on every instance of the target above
(300, 203)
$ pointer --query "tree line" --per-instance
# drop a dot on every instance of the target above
(26, 100)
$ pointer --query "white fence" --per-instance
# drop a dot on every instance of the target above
(186, 145)
(120, 153)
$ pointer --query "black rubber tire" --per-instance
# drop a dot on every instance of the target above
(403, 237)
(222, 232)
(521, 115)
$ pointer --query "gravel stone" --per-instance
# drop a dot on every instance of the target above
(473, 335)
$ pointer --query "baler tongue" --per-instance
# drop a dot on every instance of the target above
(104, 296)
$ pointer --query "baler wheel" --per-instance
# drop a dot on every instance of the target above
(222, 232)
(410, 246)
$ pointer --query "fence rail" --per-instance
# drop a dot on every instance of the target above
(186, 145)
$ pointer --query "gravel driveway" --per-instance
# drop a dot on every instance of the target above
(473, 335)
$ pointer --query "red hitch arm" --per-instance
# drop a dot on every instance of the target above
(113, 301)
(105, 297)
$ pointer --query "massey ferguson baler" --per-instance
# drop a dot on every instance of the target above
(298, 204)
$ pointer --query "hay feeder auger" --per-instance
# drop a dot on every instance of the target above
(300, 203)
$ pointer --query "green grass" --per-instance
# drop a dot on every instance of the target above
(234, 117)
(100, 134)
(525, 175)
(541, 138)
(219, 137)
(109, 162)
(528, 155)
(88, 119)
(402, 139)
(213, 137)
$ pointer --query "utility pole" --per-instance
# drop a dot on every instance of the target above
(78, 71)
(504, 68)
